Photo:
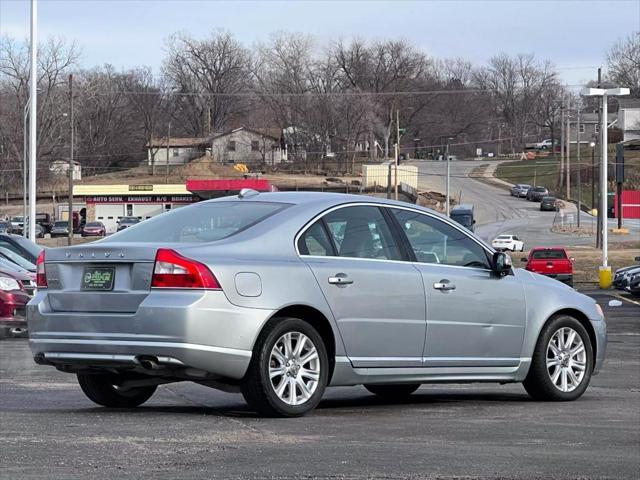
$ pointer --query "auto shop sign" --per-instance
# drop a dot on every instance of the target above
(139, 199)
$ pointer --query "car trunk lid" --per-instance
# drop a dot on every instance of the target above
(129, 266)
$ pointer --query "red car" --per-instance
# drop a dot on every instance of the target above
(553, 262)
(94, 229)
(15, 292)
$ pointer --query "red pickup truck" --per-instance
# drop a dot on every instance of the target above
(553, 262)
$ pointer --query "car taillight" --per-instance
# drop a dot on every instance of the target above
(172, 270)
(41, 275)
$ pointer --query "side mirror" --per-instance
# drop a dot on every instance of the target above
(572, 259)
(501, 263)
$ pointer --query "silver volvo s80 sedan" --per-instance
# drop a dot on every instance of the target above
(279, 295)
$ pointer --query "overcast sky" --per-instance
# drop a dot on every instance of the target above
(125, 33)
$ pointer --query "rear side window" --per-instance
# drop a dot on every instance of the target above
(548, 255)
(201, 222)
(315, 241)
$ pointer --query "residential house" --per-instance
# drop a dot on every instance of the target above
(629, 118)
(61, 167)
(176, 151)
(589, 126)
(248, 145)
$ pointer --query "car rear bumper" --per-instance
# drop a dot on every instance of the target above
(198, 330)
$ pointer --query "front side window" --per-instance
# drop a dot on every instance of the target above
(435, 241)
(362, 232)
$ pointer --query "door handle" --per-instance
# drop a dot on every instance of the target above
(444, 285)
(340, 279)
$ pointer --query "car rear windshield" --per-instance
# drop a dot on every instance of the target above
(548, 199)
(201, 222)
(503, 237)
(539, 189)
(548, 255)
(60, 224)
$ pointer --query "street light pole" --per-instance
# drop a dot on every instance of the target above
(605, 270)
(25, 169)
(33, 82)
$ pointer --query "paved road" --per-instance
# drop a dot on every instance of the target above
(497, 212)
(50, 430)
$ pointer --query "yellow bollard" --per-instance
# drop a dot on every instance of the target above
(605, 277)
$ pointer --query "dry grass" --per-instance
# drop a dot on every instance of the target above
(588, 259)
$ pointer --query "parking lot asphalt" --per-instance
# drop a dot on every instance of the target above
(48, 429)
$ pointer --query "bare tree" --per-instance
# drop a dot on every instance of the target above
(623, 60)
(208, 77)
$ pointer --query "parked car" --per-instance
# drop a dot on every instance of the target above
(16, 259)
(553, 262)
(94, 229)
(535, 194)
(282, 294)
(44, 220)
(621, 275)
(22, 246)
(5, 227)
(549, 203)
(13, 301)
(126, 222)
(464, 215)
(60, 229)
(519, 190)
(39, 231)
(634, 284)
(17, 224)
(508, 242)
(545, 144)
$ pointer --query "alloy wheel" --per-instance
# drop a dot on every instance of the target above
(294, 368)
(566, 359)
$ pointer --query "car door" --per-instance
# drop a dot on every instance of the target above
(474, 318)
(377, 299)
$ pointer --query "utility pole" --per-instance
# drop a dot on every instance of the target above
(568, 164)
(70, 224)
(397, 152)
(448, 176)
(579, 179)
(166, 172)
(33, 117)
(562, 151)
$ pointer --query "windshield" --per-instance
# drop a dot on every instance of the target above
(60, 224)
(27, 245)
(548, 255)
(17, 259)
(463, 218)
(201, 222)
(16, 219)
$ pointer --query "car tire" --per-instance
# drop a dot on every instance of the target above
(393, 392)
(102, 389)
(266, 392)
(540, 383)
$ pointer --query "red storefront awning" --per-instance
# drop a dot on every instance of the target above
(227, 186)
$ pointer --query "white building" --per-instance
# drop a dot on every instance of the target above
(629, 118)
